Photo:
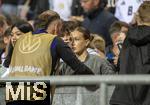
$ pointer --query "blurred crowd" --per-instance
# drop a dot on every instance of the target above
(77, 37)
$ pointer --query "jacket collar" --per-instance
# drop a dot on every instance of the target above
(39, 31)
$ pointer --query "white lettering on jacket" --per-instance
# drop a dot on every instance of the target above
(30, 69)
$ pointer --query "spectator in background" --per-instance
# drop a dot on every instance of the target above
(118, 31)
(6, 39)
(3, 24)
(3, 27)
(97, 19)
(30, 9)
(135, 59)
(125, 9)
(98, 45)
(9, 7)
(77, 11)
(26, 9)
(2, 47)
(62, 7)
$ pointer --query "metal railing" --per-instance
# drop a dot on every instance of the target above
(103, 80)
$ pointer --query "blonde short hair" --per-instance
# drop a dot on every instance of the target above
(45, 18)
(97, 42)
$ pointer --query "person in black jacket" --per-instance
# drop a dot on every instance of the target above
(135, 59)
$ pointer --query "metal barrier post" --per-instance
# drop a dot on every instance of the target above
(103, 94)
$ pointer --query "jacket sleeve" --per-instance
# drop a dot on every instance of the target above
(106, 68)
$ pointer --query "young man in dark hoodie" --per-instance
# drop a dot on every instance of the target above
(135, 59)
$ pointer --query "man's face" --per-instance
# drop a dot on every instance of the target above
(89, 5)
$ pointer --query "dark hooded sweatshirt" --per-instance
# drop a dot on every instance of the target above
(134, 59)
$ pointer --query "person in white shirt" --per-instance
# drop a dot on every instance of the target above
(62, 7)
(125, 9)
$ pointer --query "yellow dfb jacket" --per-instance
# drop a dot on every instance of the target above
(31, 58)
(32, 55)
